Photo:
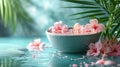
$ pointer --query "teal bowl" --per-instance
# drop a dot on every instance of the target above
(71, 43)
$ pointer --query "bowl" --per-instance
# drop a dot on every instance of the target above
(71, 43)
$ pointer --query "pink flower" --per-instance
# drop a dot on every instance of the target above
(58, 28)
(78, 29)
(58, 25)
(95, 26)
(94, 49)
(115, 51)
(36, 45)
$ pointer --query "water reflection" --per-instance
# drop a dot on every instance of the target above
(79, 60)
(50, 58)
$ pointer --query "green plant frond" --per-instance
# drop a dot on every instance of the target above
(14, 21)
(118, 34)
(81, 2)
(87, 16)
(115, 28)
(6, 17)
(103, 19)
(10, 10)
(91, 7)
(21, 12)
(85, 12)
(2, 8)
(103, 5)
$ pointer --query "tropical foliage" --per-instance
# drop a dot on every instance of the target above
(106, 11)
(12, 11)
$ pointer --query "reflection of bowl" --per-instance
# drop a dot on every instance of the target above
(67, 60)
(71, 43)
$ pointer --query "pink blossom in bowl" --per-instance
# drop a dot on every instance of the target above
(95, 26)
(58, 28)
(90, 28)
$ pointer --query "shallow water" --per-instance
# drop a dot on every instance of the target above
(14, 54)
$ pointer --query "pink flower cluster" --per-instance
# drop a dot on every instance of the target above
(90, 28)
(110, 48)
(36, 45)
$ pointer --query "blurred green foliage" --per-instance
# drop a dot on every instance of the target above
(12, 12)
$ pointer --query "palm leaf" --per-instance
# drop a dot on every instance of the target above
(91, 15)
(85, 12)
(118, 34)
(115, 28)
(81, 2)
(103, 19)
(10, 10)
(6, 12)
(2, 8)
(82, 7)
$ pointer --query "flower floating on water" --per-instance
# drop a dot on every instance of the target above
(90, 28)
(36, 45)
(105, 62)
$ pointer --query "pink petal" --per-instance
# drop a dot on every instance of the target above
(76, 26)
(91, 45)
(98, 45)
(86, 64)
(108, 50)
(64, 29)
(42, 45)
(101, 61)
(118, 53)
(93, 21)
(74, 65)
(90, 53)
(100, 27)
(108, 62)
(60, 23)
(97, 53)
(111, 54)
(37, 41)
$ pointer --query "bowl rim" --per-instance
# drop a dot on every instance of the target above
(47, 32)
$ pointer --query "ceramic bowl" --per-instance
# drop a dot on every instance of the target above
(71, 43)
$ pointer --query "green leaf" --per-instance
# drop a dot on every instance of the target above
(14, 21)
(2, 8)
(103, 19)
(82, 7)
(6, 18)
(80, 2)
(115, 28)
(118, 34)
(88, 16)
(85, 12)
